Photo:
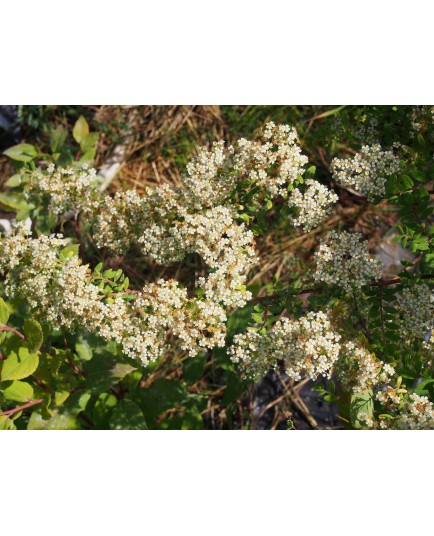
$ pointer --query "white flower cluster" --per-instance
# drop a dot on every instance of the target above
(226, 247)
(359, 370)
(344, 261)
(254, 354)
(416, 304)
(208, 181)
(64, 293)
(59, 189)
(367, 171)
(167, 223)
(417, 414)
(118, 220)
(273, 162)
(314, 205)
(408, 411)
(308, 347)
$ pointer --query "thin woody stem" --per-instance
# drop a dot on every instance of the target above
(383, 283)
(10, 412)
(14, 331)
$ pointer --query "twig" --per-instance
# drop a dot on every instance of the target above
(14, 331)
(10, 412)
(383, 283)
(361, 319)
(277, 296)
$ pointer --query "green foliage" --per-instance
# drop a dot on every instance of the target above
(127, 416)
(33, 332)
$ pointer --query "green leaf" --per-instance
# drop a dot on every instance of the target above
(13, 181)
(127, 416)
(132, 380)
(5, 311)
(421, 139)
(159, 397)
(102, 410)
(331, 387)
(192, 419)
(33, 331)
(361, 404)
(421, 388)
(63, 417)
(88, 156)
(239, 320)
(18, 391)
(68, 252)
(24, 152)
(6, 423)
(60, 397)
(84, 350)
(57, 138)
(257, 317)
(420, 244)
(12, 200)
(80, 130)
(419, 176)
(310, 172)
(102, 371)
(59, 420)
(97, 269)
(89, 141)
(406, 182)
(18, 366)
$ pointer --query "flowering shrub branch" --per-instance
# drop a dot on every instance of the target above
(363, 329)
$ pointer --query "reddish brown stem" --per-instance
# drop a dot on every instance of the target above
(10, 412)
(385, 282)
(14, 331)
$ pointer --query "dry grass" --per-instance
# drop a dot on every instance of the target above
(150, 137)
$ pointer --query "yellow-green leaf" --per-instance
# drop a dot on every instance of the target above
(19, 366)
(6, 423)
(58, 421)
(5, 312)
(80, 130)
(18, 391)
(13, 181)
(24, 152)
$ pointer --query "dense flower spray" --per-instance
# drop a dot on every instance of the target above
(343, 260)
(367, 171)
